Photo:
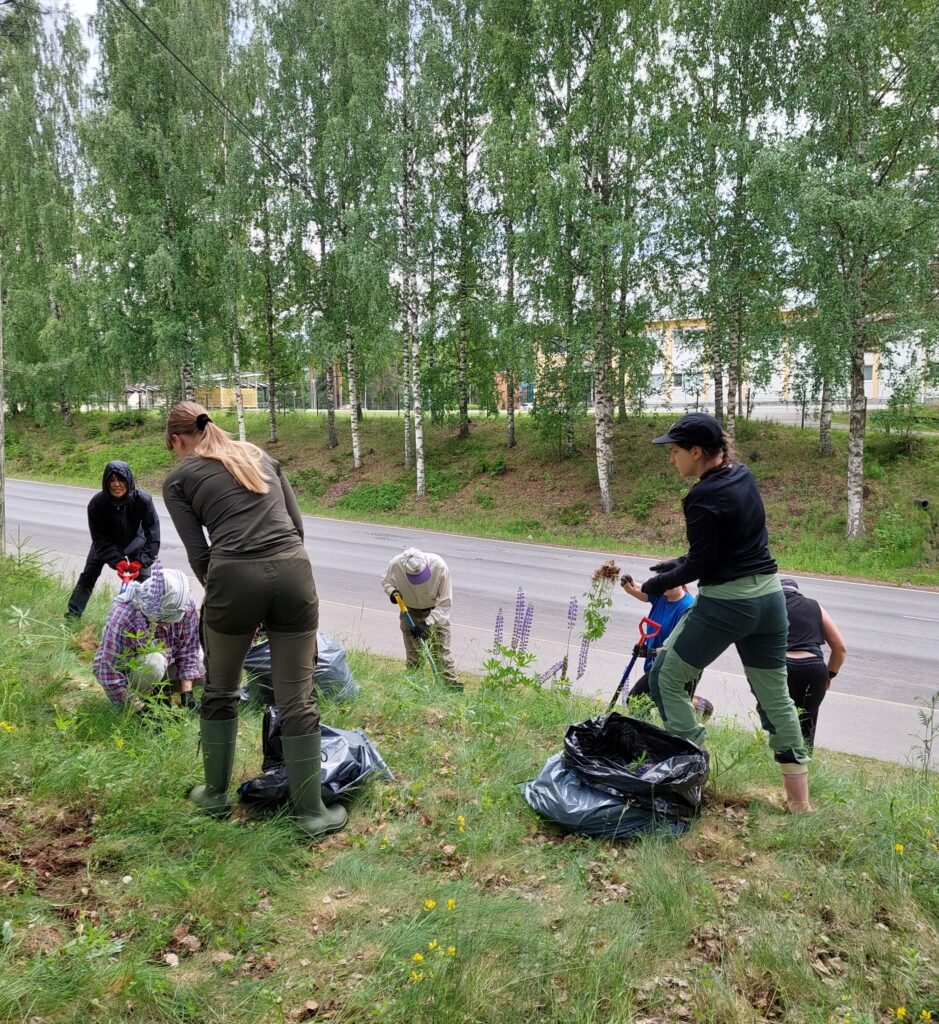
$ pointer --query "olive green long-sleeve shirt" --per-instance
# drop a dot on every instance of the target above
(201, 493)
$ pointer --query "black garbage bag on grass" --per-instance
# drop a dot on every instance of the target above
(331, 674)
(349, 759)
(638, 762)
(619, 777)
(561, 796)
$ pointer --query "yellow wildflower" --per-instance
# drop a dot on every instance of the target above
(7, 727)
(460, 823)
(900, 1013)
(416, 976)
(119, 743)
(925, 1015)
(451, 950)
(432, 944)
(927, 832)
(430, 904)
(899, 848)
(451, 904)
(418, 958)
(934, 848)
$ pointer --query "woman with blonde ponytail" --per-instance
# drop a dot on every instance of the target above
(255, 569)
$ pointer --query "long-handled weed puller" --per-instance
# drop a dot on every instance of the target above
(412, 626)
(640, 650)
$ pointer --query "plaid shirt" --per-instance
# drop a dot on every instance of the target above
(119, 644)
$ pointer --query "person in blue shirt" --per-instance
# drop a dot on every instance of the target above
(667, 611)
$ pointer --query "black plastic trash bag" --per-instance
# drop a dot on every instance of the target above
(562, 796)
(349, 758)
(331, 675)
(639, 762)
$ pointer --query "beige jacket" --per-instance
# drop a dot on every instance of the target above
(436, 593)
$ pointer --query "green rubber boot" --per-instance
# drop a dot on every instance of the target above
(302, 757)
(218, 756)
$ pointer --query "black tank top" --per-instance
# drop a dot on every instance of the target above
(805, 623)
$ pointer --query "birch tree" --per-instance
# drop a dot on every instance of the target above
(864, 190)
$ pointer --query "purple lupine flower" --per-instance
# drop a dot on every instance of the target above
(551, 673)
(582, 659)
(526, 629)
(572, 612)
(519, 618)
(500, 626)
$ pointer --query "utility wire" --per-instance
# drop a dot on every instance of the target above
(290, 176)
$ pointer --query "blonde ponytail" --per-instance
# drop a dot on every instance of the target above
(240, 458)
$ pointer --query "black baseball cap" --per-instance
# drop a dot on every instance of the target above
(788, 584)
(694, 428)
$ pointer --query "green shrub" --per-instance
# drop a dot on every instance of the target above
(308, 482)
(442, 483)
(373, 498)
(644, 497)
(574, 515)
(484, 500)
(126, 420)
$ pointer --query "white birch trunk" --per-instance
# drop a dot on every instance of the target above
(417, 398)
(353, 398)
(406, 375)
(603, 425)
(856, 428)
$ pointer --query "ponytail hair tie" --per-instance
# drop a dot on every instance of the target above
(202, 420)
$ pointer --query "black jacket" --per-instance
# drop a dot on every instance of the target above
(129, 528)
(726, 527)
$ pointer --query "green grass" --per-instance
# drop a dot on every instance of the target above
(479, 487)
(118, 903)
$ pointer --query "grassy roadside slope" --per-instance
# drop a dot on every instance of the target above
(528, 493)
(117, 903)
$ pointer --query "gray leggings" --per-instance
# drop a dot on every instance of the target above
(240, 595)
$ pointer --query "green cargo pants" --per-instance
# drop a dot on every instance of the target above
(758, 627)
(240, 594)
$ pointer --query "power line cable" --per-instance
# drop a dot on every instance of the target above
(290, 176)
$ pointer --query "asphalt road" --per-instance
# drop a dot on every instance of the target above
(892, 633)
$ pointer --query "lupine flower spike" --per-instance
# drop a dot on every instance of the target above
(582, 660)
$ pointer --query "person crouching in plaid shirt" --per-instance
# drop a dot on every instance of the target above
(151, 634)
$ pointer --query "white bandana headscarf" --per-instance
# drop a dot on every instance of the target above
(164, 597)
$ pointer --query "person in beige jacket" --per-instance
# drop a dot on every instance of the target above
(423, 581)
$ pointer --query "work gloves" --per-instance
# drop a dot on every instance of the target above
(419, 631)
(128, 570)
(667, 566)
(394, 595)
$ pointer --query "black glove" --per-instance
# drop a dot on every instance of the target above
(395, 594)
(660, 567)
(187, 700)
(419, 631)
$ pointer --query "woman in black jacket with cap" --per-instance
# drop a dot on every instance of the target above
(740, 600)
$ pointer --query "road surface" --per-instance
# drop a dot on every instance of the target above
(892, 633)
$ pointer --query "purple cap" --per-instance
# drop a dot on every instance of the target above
(416, 566)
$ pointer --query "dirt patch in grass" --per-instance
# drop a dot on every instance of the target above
(47, 851)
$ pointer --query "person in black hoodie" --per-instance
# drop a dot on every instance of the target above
(124, 525)
(740, 599)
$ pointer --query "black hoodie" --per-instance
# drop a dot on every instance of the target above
(127, 528)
